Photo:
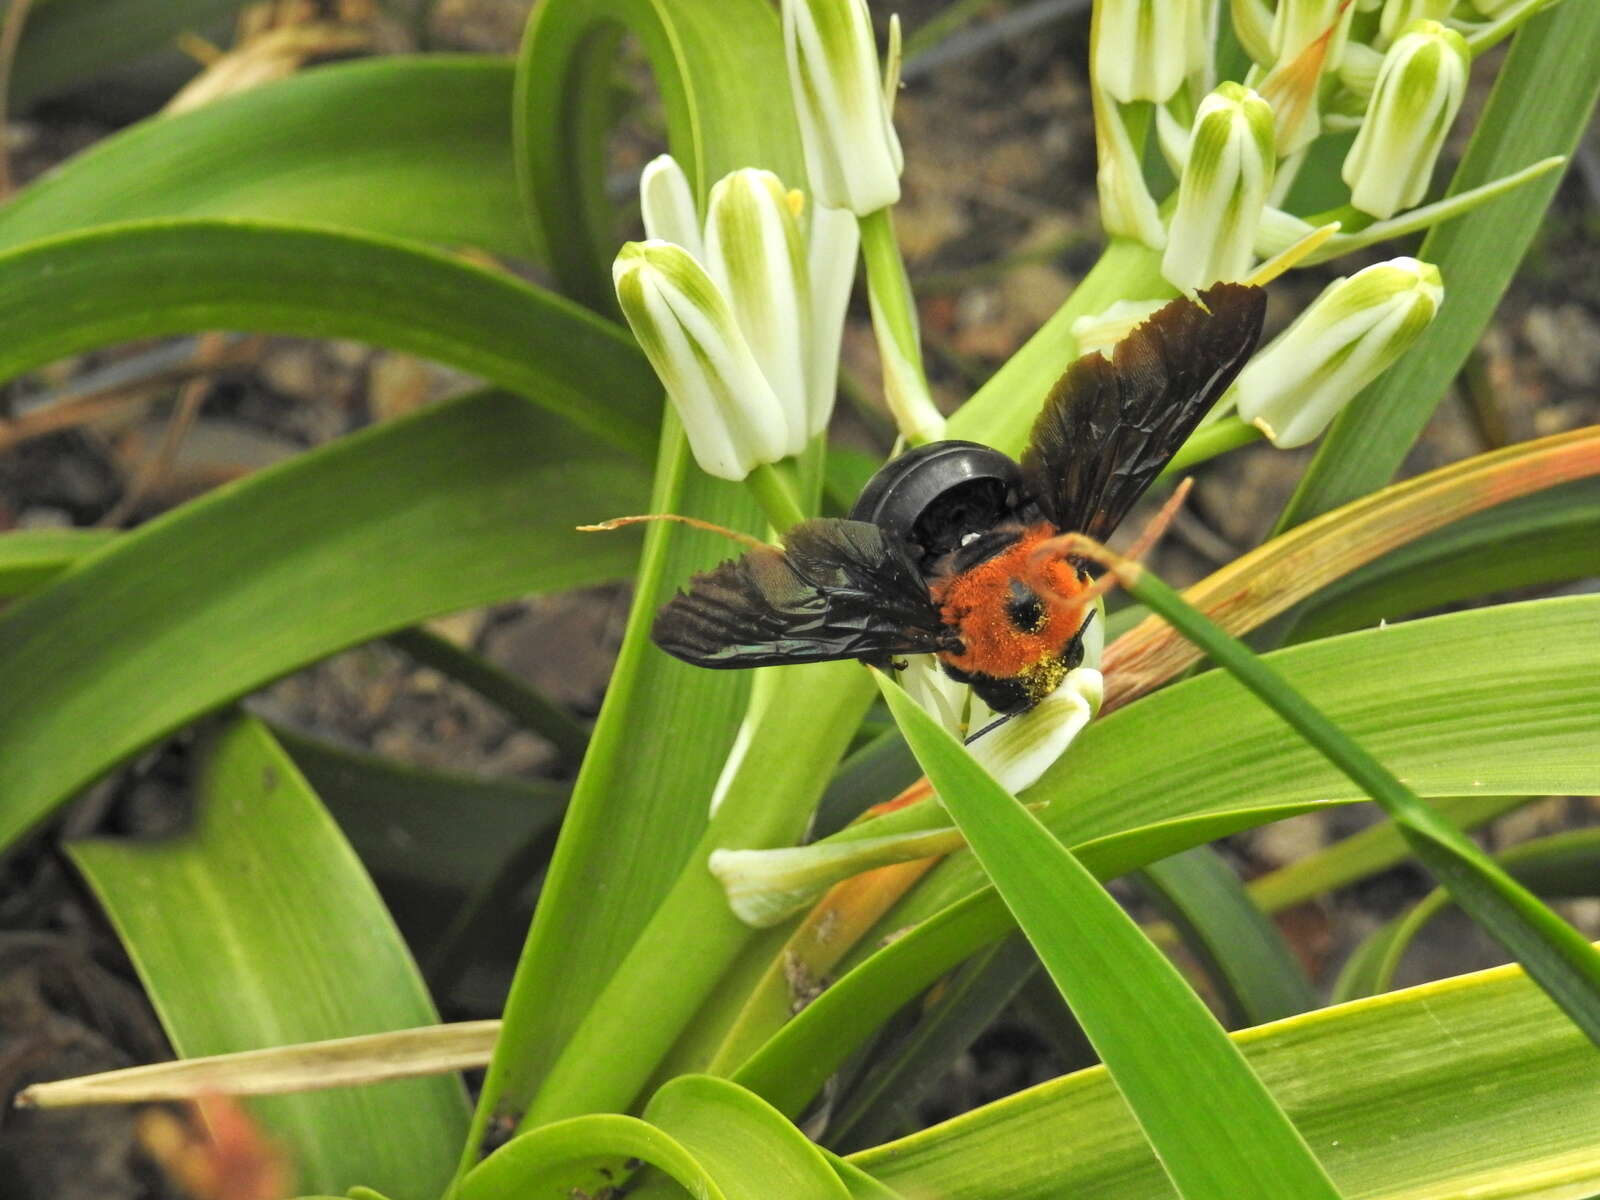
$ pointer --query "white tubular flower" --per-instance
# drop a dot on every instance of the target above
(667, 204)
(765, 886)
(1222, 191)
(832, 239)
(1299, 23)
(733, 420)
(758, 259)
(1103, 330)
(1342, 342)
(1127, 209)
(1021, 750)
(852, 154)
(1252, 23)
(1419, 90)
(1142, 47)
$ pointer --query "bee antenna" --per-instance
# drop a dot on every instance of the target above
(1074, 543)
(994, 724)
(693, 522)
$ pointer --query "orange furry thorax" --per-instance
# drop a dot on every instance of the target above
(980, 604)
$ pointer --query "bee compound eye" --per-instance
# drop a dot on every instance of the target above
(939, 495)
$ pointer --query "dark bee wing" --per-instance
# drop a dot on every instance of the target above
(1109, 426)
(838, 589)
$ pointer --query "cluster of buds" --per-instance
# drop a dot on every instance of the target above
(740, 320)
(1394, 71)
(1352, 332)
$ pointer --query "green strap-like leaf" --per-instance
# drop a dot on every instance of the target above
(640, 803)
(420, 148)
(1534, 696)
(1475, 1086)
(1554, 953)
(744, 1143)
(66, 41)
(1561, 866)
(30, 558)
(1545, 538)
(257, 927)
(1217, 1131)
(594, 1149)
(1241, 949)
(1239, 770)
(1541, 103)
(81, 291)
(720, 69)
(464, 504)
(469, 825)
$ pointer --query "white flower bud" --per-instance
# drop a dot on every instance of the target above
(667, 205)
(1127, 209)
(682, 322)
(832, 239)
(1419, 90)
(1142, 47)
(757, 257)
(1100, 332)
(1222, 191)
(1299, 23)
(1342, 342)
(852, 154)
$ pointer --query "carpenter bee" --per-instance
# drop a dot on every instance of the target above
(949, 549)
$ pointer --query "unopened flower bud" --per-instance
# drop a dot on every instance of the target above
(1299, 23)
(1142, 47)
(1127, 209)
(1222, 191)
(757, 257)
(1342, 342)
(667, 204)
(1419, 90)
(852, 154)
(732, 419)
(1397, 14)
(832, 239)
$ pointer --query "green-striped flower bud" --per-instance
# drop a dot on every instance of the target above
(852, 154)
(1222, 191)
(1398, 14)
(1342, 342)
(1142, 47)
(756, 255)
(733, 420)
(1419, 91)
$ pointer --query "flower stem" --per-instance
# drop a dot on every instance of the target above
(776, 496)
(894, 320)
(1222, 435)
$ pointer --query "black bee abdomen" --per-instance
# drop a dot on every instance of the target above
(935, 497)
(1023, 608)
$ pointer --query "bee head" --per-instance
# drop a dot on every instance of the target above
(935, 497)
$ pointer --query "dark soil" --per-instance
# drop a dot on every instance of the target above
(998, 223)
